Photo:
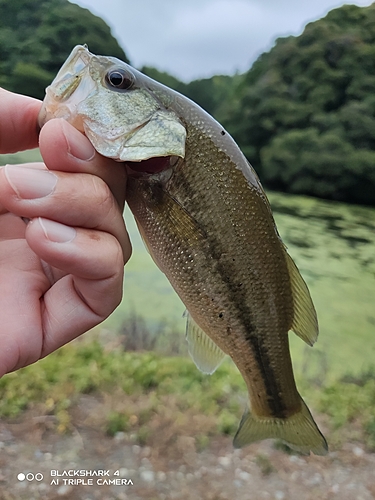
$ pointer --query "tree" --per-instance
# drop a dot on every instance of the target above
(305, 111)
(36, 36)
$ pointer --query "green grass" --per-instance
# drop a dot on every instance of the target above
(54, 384)
(145, 391)
(349, 406)
(31, 155)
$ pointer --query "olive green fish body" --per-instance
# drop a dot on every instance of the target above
(227, 264)
(208, 225)
(218, 245)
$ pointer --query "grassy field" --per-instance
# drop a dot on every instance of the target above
(143, 392)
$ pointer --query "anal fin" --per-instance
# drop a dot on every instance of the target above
(205, 353)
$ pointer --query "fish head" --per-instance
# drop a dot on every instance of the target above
(124, 114)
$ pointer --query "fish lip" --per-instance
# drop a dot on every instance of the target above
(61, 99)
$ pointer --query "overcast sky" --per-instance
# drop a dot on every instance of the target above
(199, 38)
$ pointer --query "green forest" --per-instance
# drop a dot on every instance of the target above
(36, 36)
(304, 113)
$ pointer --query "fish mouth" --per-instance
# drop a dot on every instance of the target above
(150, 166)
(71, 85)
(131, 127)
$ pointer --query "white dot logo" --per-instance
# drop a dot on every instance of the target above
(30, 476)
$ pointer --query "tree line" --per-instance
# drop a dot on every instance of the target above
(304, 113)
(36, 36)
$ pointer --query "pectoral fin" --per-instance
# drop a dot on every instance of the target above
(205, 353)
(305, 323)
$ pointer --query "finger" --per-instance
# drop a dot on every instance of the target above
(92, 288)
(78, 199)
(21, 286)
(40, 166)
(18, 122)
(11, 227)
(77, 154)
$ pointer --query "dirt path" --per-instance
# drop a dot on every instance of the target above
(32, 447)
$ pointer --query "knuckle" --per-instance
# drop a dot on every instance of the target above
(101, 196)
(101, 192)
(119, 257)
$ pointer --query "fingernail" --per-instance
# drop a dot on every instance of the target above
(30, 183)
(78, 145)
(56, 232)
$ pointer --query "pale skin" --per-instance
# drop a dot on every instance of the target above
(63, 242)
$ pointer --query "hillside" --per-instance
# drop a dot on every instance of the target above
(36, 37)
(304, 114)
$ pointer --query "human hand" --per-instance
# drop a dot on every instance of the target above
(61, 273)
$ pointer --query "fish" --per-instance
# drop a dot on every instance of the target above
(207, 223)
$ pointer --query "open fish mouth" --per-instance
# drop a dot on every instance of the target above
(151, 166)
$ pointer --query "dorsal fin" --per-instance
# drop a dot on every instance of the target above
(305, 322)
(205, 353)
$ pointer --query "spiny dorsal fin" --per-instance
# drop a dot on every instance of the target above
(205, 353)
(305, 322)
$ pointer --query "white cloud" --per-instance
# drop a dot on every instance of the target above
(199, 38)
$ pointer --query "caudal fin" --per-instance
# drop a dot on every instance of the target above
(299, 431)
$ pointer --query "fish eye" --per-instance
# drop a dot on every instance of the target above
(119, 79)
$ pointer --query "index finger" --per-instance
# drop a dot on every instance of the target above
(18, 122)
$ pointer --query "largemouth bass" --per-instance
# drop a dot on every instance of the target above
(208, 225)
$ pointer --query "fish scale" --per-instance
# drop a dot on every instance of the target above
(209, 227)
(230, 239)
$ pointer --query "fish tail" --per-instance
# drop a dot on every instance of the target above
(299, 431)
